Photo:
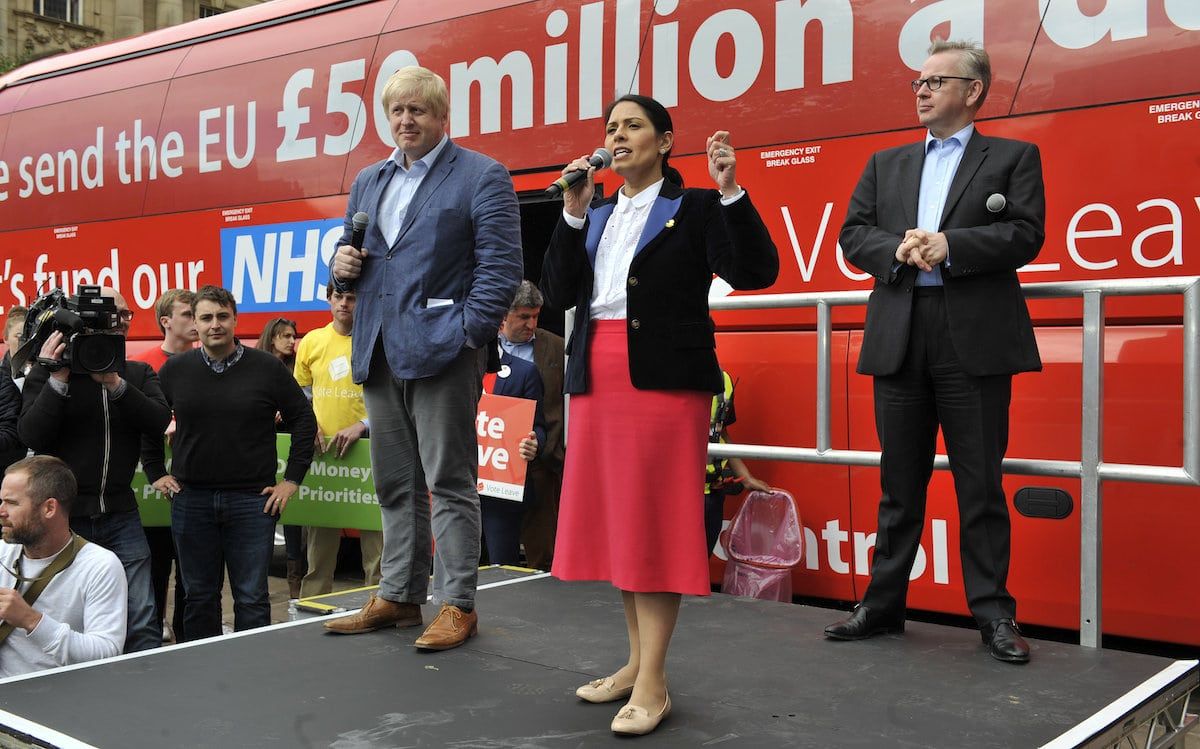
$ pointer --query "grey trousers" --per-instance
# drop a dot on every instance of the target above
(423, 441)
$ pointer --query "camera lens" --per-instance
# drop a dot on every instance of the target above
(98, 353)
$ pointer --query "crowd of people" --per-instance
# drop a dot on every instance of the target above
(192, 393)
(429, 310)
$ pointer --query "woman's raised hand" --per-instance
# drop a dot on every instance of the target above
(722, 163)
(579, 197)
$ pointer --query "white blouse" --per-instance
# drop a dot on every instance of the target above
(617, 246)
(615, 253)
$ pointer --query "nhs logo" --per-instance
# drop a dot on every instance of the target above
(279, 267)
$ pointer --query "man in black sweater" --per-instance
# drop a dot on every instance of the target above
(95, 423)
(226, 397)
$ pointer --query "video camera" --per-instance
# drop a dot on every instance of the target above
(89, 323)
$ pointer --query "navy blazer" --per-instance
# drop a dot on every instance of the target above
(448, 279)
(988, 319)
(688, 237)
(518, 378)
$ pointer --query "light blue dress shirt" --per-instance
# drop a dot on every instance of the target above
(401, 187)
(519, 350)
(942, 158)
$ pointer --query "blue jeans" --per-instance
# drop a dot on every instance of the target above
(122, 534)
(214, 529)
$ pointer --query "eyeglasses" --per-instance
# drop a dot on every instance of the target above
(125, 314)
(935, 81)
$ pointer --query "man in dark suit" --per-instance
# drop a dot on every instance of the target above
(943, 226)
(502, 518)
(521, 337)
(438, 267)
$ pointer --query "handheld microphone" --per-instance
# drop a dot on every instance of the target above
(601, 159)
(358, 232)
(996, 202)
(359, 229)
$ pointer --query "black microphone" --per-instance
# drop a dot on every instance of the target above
(358, 232)
(601, 159)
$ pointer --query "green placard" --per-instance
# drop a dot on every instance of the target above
(154, 507)
(336, 493)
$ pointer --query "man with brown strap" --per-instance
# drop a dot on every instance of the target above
(62, 599)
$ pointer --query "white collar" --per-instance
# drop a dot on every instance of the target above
(641, 200)
(961, 137)
(397, 156)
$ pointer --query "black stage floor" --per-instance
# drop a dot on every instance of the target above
(743, 673)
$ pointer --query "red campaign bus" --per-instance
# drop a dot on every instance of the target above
(221, 151)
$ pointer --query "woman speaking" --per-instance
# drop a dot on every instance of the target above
(637, 268)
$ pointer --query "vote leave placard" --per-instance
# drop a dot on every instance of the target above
(499, 427)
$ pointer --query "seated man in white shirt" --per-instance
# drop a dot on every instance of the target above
(79, 613)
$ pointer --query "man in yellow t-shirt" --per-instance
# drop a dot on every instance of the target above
(323, 370)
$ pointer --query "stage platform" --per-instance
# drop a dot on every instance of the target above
(744, 673)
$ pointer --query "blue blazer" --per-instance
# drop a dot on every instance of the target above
(459, 246)
(689, 236)
(523, 381)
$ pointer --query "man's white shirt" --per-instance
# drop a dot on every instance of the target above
(83, 611)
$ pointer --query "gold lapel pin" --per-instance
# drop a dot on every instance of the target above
(670, 223)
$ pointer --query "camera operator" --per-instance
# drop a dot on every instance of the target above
(94, 423)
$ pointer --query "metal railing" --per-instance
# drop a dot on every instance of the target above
(1091, 470)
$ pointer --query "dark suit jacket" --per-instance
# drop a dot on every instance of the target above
(989, 322)
(688, 237)
(518, 378)
(448, 279)
(548, 357)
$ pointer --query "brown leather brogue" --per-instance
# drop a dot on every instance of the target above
(377, 614)
(450, 629)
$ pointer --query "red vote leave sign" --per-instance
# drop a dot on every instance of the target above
(499, 427)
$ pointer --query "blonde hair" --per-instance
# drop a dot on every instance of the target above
(165, 306)
(422, 83)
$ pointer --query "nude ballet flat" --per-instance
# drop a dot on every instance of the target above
(603, 690)
(637, 721)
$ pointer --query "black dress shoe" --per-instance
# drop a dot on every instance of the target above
(1004, 641)
(865, 622)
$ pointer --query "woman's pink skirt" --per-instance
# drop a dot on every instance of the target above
(632, 507)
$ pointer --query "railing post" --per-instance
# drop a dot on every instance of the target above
(1090, 469)
(824, 355)
(1092, 433)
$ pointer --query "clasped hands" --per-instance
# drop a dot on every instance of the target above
(921, 248)
(340, 443)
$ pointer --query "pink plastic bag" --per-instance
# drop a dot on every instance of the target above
(763, 544)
